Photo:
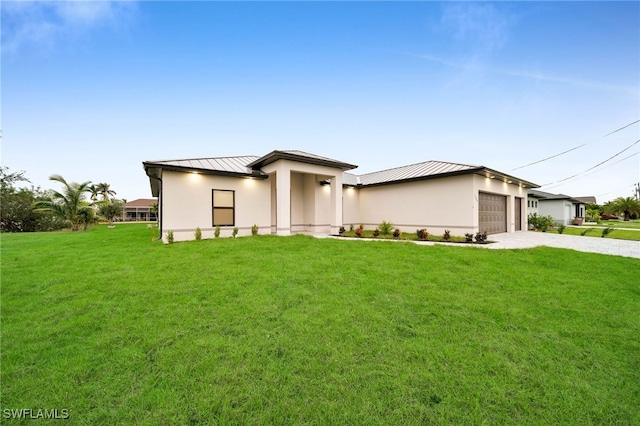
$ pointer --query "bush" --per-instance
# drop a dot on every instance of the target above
(481, 237)
(541, 223)
(376, 233)
(235, 231)
(198, 234)
(397, 233)
(254, 230)
(422, 234)
(216, 233)
(359, 232)
(385, 227)
(447, 235)
(342, 230)
(170, 236)
(561, 229)
(468, 237)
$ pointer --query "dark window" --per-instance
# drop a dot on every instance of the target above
(224, 212)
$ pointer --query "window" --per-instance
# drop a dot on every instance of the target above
(223, 203)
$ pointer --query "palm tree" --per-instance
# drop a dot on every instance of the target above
(68, 204)
(94, 191)
(111, 210)
(626, 206)
(105, 190)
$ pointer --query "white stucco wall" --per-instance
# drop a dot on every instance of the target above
(436, 204)
(560, 210)
(187, 204)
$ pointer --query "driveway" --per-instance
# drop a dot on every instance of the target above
(528, 239)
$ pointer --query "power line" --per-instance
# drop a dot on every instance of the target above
(596, 171)
(573, 149)
(597, 165)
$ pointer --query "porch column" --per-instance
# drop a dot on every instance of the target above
(336, 203)
(283, 201)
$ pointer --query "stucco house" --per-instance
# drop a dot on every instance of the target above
(286, 192)
(140, 209)
(564, 209)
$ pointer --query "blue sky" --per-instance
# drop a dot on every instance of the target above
(90, 90)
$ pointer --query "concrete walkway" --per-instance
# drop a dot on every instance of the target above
(529, 239)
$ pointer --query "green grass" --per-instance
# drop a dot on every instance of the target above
(297, 330)
(631, 224)
(619, 234)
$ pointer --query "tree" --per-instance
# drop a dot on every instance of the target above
(105, 190)
(111, 210)
(94, 191)
(69, 205)
(16, 206)
(627, 206)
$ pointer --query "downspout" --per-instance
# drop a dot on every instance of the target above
(160, 197)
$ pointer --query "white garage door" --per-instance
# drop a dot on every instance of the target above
(493, 213)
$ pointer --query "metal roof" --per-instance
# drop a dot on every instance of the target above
(549, 196)
(416, 171)
(233, 165)
(300, 156)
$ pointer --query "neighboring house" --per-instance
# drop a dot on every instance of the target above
(139, 210)
(564, 209)
(287, 192)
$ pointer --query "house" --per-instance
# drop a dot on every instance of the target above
(564, 209)
(286, 192)
(140, 210)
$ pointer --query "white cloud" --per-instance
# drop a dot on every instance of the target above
(482, 25)
(45, 23)
(474, 66)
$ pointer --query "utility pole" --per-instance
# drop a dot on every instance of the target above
(636, 191)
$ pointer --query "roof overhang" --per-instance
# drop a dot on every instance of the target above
(276, 155)
(494, 174)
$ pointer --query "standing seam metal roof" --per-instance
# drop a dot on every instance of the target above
(220, 164)
(415, 171)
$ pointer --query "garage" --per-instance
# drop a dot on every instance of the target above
(493, 213)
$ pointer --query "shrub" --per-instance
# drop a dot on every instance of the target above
(561, 228)
(359, 232)
(606, 231)
(541, 223)
(351, 227)
(385, 227)
(376, 232)
(170, 236)
(468, 237)
(422, 234)
(447, 235)
(342, 230)
(198, 234)
(235, 231)
(254, 230)
(397, 233)
(216, 233)
(481, 237)
(583, 233)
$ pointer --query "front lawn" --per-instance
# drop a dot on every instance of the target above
(616, 233)
(118, 329)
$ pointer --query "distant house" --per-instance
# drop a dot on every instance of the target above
(140, 210)
(564, 209)
(285, 192)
